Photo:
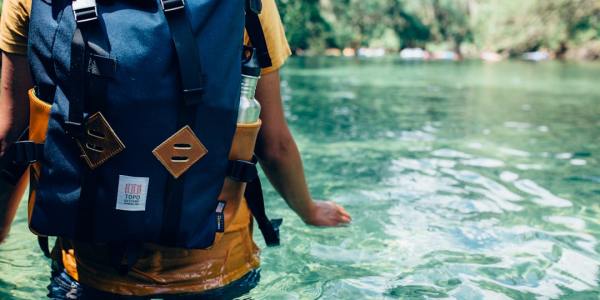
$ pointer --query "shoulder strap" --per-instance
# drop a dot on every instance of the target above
(87, 57)
(183, 38)
(44, 246)
(192, 78)
(253, 193)
(256, 204)
(88, 73)
(255, 32)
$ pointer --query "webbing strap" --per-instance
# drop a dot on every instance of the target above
(256, 204)
(27, 152)
(43, 243)
(242, 170)
(253, 193)
(11, 169)
(190, 71)
(87, 25)
(172, 210)
(84, 62)
(77, 73)
(256, 34)
(183, 38)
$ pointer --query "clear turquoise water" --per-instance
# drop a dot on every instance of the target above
(465, 180)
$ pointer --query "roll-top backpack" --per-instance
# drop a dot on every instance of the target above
(140, 143)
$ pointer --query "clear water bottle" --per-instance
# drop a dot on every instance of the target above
(249, 109)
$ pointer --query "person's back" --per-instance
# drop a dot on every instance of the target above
(162, 269)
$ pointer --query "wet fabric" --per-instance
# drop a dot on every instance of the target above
(63, 286)
(165, 268)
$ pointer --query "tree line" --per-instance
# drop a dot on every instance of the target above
(510, 27)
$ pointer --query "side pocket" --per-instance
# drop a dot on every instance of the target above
(242, 148)
(39, 116)
(244, 141)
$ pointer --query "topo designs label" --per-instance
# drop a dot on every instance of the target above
(132, 193)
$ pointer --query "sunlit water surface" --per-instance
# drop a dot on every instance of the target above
(464, 180)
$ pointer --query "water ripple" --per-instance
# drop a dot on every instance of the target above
(459, 187)
(542, 196)
(483, 162)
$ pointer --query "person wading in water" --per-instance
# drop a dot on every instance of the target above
(128, 179)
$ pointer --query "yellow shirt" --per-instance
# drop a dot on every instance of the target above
(14, 25)
(160, 270)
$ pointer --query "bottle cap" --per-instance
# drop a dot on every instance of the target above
(250, 64)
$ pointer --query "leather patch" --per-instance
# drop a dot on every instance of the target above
(100, 141)
(179, 152)
(244, 140)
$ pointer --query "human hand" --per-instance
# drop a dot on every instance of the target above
(327, 214)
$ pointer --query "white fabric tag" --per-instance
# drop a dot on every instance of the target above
(132, 193)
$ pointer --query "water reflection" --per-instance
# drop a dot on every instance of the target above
(463, 182)
(474, 204)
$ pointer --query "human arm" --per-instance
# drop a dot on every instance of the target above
(15, 80)
(281, 161)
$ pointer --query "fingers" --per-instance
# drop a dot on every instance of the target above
(344, 220)
(329, 214)
(343, 212)
(343, 216)
(340, 216)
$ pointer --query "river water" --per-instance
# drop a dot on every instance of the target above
(464, 180)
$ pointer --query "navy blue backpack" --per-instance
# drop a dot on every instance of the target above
(144, 98)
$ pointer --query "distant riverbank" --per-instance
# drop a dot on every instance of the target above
(565, 29)
(587, 52)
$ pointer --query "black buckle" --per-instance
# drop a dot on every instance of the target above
(27, 152)
(172, 5)
(84, 11)
(242, 170)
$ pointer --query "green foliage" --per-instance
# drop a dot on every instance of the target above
(510, 26)
(305, 26)
(408, 26)
(356, 23)
(530, 25)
